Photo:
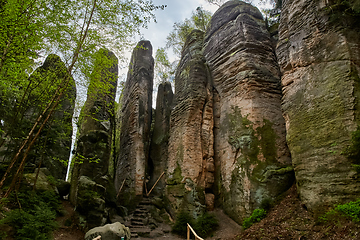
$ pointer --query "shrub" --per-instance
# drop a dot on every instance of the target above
(180, 226)
(349, 210)
(256, 216)
(206, 224)
(36, 218)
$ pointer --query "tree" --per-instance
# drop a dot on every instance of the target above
(73, 29)
(177, 37)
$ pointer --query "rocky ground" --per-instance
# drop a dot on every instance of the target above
(290, 220)
(287, 220)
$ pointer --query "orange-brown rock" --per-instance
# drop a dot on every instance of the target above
(135, 125)
(320, 61)
(252, 161)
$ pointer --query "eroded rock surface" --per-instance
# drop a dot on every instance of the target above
(320, 60)
(160, 138)
(191, 166)
(135, 125)
(253, 163)
(91, 162)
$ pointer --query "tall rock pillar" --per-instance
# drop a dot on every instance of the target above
(92, 188)
(190, 165)
(135, 125)
(319, 57)
(252, 159)
(160, 138)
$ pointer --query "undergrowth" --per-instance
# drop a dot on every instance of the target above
(349, 210)
(35, 218)
(204, 225)
(256, 216)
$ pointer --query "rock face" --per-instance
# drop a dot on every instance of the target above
(253, 163)
(160, 138)
(90, 183)
(191, 165)
(320, 65)
(135, 125)
(54, 143)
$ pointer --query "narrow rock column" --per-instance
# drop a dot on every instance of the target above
(135, 125)
(191, 131)
(92, 188)
(160, 138)
(320, 60)
(251, 155)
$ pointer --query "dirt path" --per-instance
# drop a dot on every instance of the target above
(70, 232)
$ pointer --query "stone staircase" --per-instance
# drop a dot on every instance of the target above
(138, 221)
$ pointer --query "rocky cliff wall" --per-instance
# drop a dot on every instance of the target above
(135, 125)
(190, 170)
(252, 159)
(320, 61)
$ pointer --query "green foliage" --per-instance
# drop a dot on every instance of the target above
(204, 225)
(255, 217)
(36, 218)
(349, 210)
(180, 226)
(177, 37)
(344, 12)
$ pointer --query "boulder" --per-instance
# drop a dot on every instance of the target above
(114, 231)
(250, 145)
(320, 64)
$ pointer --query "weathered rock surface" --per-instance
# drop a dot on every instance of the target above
(109, 232)
(190, 166)
(53, 146)
(160, 137)
(253, 163)
(135, 124)
(320, 62)
(94, 143)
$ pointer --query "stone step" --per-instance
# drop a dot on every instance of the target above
(134, 235)
(141, 231)
(137, 223)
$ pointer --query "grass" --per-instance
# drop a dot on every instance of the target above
(256, 216)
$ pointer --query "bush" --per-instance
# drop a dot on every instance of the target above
(206, 224)
(180, 226)
(349, 210)
(36, 218)
(256, 216)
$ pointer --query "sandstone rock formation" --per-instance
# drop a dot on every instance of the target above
(135, 125)
(253, 164)
(320, 62)
(191, 166)
(53, 146)
(160, 137)
(90, 181)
